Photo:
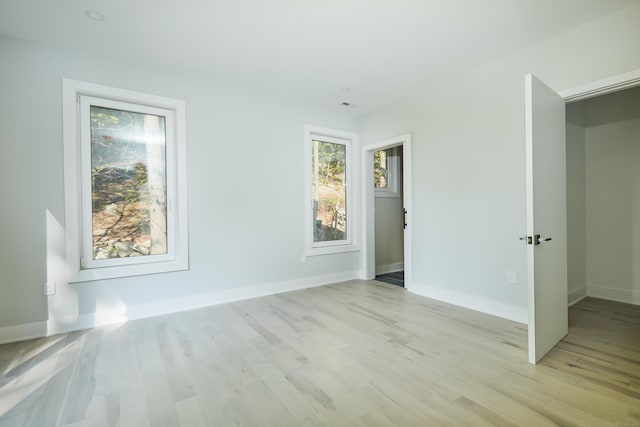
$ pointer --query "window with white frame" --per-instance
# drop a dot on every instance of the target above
(125, 182)
(330, 189)
(386, 172)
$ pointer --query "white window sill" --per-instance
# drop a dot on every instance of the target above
(385, 193)
(91, 274)
(328, 250)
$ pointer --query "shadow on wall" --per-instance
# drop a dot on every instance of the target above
(64, 305)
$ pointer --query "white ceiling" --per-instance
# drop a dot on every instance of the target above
(381, 49)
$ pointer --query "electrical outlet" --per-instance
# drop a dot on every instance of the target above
(512, 278)
(50, 288)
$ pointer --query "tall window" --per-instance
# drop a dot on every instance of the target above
(329, 188)
(330, 168)
(125, 153)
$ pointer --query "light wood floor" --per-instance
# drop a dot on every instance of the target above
(357, 353)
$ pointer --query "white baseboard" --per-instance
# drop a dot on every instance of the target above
(389, 268)
(494, 308)
(629, 296)
(577, 294)
(157, 308)
(25, 331)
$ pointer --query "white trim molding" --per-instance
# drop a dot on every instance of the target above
(121, 314)
(76, 99)
(483, 305)
(577, 294)
(351, 142)
(602, 87)
(389, 268)
(629, 296)
(25, 331)
(367, 256)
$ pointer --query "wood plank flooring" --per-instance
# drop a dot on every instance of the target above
(359, 353)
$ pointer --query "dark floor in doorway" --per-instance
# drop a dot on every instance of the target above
(396, 278)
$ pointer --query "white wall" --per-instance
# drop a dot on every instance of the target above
(389, 235)
(613, 196)
(468, 161)
(576, 203)
(245, 172)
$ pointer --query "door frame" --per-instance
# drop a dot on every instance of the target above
(368, 250)
(602, 87)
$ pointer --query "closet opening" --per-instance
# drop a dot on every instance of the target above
(603, 197)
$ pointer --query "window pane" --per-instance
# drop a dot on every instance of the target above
(329, 191)
(128, 183)
(381, 169)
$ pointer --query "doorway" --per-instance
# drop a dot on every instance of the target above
(387, 249)
(547, 318)
(389, 215)
(603, 170)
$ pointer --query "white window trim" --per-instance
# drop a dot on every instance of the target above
(178, 257)
(393, 176)
(351, 141)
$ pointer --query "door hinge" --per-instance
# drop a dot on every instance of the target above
(404, 219)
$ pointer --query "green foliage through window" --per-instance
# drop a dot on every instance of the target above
(329, 191)
(128, 183)
(381, 169)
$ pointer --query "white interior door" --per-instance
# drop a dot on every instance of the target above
(546, 217)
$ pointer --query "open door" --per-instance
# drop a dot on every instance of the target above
(546, 217)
